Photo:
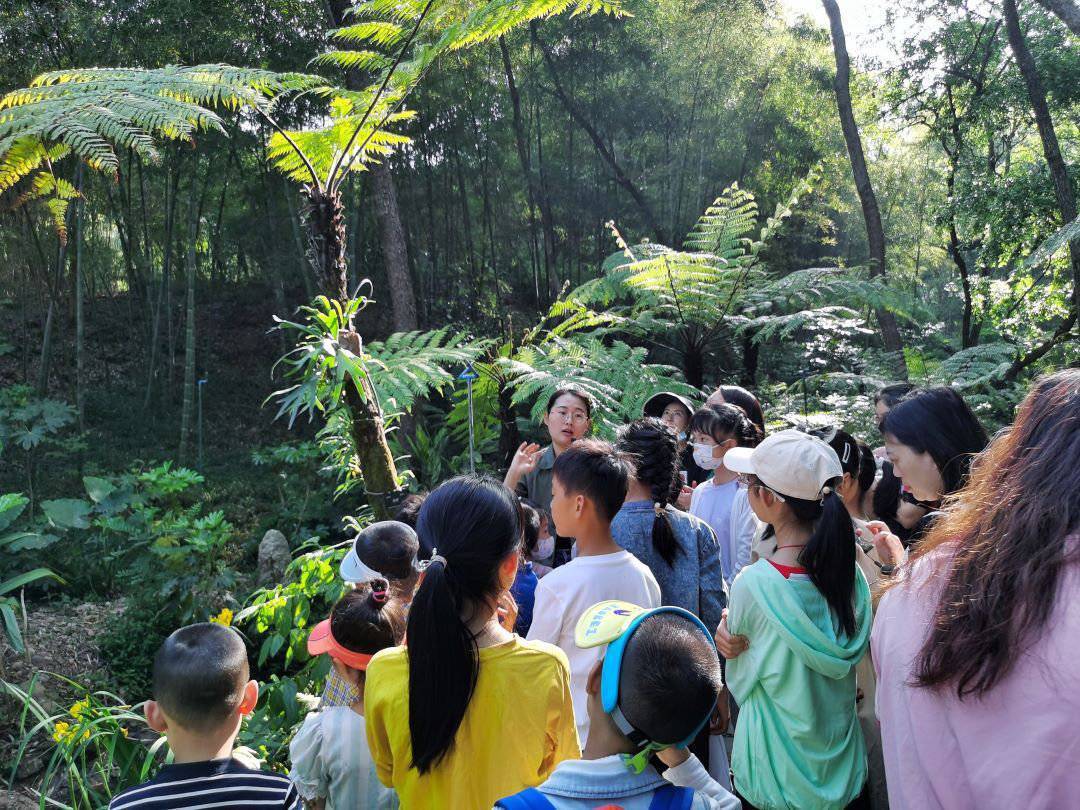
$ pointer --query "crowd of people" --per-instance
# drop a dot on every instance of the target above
(876, 628)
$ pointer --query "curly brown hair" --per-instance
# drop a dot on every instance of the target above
(1013, 529)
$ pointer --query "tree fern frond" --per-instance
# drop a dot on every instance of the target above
(95, 111)
(409, 365)
(370, 32)
(724, 226)
(351, 60)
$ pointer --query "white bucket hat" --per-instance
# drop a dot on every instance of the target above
(793, 463)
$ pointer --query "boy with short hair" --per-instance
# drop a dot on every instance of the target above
(652, 692)
(589, 484)
(201, 693)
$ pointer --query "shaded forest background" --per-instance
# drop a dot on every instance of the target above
(522, 153)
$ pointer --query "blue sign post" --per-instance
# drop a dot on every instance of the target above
(469, 375)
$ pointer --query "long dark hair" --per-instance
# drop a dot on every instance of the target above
(655, 449)
(829, 555)
(473, 523)
(726, 421)
(938, 421)
(1014, 529)
(741, 398)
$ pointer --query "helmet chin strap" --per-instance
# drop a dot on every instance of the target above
(646, 747)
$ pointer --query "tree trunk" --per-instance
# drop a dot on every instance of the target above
(751, 350)
(522, 143)
(1067, 10)
(693, 358)
(1063, 192)
(326, 241)
(602, 148)
(875, 233)
(188, 407)
(80, 323)
(395, 253)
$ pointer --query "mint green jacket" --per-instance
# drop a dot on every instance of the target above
(797, 742)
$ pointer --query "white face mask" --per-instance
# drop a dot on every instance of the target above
(545, 547)
(703, 457)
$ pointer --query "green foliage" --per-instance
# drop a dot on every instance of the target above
(278, 620)
(97, 745)
(93, 112)
(408, 366)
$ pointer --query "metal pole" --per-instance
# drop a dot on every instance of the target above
(202, 382)
(472, 454)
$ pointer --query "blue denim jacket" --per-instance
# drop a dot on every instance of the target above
(580, 784)
(695, 580)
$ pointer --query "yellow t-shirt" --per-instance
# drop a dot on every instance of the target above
(519, 725)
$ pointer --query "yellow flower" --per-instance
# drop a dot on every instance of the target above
(224, 618)
(123, 731)
(61, 731)
(77, 710)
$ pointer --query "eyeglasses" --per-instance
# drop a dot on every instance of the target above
(577, 417)
(751, 482)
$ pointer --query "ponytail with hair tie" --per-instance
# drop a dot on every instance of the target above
(656, 452)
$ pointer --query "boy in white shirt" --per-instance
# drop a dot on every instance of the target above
(589, 485)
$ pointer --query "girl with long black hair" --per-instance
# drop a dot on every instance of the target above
(680, 550)
(467, 712)
(806, 615)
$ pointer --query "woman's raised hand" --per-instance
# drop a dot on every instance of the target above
(730, 646)
(524, 461)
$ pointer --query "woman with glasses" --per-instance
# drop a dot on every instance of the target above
(801, 622)
(567, 417)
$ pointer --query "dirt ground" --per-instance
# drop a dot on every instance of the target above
(61, 638)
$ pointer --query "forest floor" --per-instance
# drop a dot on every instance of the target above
(61, 638)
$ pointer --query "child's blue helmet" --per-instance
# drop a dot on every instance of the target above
(613, 623)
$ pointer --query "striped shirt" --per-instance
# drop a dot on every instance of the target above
(223, 783)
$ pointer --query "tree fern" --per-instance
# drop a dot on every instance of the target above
(93, 112)
(410, 365)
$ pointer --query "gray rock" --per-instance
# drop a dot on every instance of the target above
(274, 557)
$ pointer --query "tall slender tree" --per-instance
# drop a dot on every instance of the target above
(875, 232)
(1067, 10)
(1063, 192)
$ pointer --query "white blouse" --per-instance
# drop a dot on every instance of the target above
(331, 759)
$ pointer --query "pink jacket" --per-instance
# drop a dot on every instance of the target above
(1017, 747)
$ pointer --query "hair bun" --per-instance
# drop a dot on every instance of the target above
(380, 591)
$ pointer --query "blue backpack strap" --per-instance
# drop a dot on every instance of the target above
(670, 797)
(528, 799)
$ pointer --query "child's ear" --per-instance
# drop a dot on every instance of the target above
(579, 505)
(251, 697)
(592, 685)
(508, 567)
(155, 717)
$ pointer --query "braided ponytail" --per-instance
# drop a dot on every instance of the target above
(656, 452)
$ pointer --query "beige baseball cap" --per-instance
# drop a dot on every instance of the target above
(790, 462)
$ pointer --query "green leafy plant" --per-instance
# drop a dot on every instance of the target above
(33, 426)
(100, 745)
